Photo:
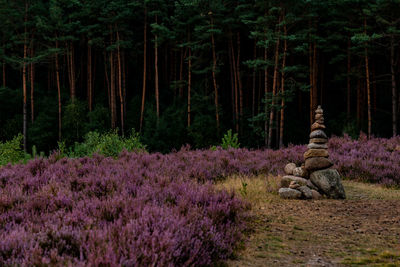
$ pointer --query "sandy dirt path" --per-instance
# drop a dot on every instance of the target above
(363, 230)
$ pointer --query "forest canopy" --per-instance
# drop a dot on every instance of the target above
(186, 71)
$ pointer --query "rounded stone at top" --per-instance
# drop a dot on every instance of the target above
(319, 110)
(318, 134)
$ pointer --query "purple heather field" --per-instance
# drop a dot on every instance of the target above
(143, 209)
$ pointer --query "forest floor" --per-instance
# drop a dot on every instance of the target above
(363, 230)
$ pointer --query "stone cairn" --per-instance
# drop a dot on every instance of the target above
(315, 178)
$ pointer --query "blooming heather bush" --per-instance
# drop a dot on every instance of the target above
(376, 160)
(100, 211)
(143, 209)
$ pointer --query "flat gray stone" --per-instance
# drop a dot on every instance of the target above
(318, 134)
(329, 182)
(306, 191)
(286, 180)
(317, 146)
(289, 193)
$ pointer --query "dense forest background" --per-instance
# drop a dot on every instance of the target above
(186, 71)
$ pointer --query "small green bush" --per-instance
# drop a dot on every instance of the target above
(108, 144)
(230, 140)
(11, 151)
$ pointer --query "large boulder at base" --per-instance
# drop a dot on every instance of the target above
(315, 194)
(318, 163)
(289, 168)
(329, 182)
(289, 193)
(286, 180)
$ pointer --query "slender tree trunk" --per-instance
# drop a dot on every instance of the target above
(274, 85)
(24, 78)
(181, 74)
(214, 69)
(266, 98)
(232, 76)
(368, 83)
(58, 93)
(315, 76)
(283, 89)
(394, 89)
(310, 58)
(359, 102)
(89, 77)
(189, 82)
(32, 77)
(254, 81)
(121, 95)
(144, 70)
(239, 79)
(107, 80)
(4, 74)
(348, 79)
(124, 81)
(112, 87)
(235, 85)
(72, 72)
(156, 75)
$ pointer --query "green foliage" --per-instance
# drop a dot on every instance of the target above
(109, 144)
(243, 190)
(230, 140)
(11, 151)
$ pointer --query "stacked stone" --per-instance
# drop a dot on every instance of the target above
(314, 178)
(295, 185)
(316, 156)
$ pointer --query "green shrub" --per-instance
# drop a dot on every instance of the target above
(230, 140)
(11, 151)
(108, 144)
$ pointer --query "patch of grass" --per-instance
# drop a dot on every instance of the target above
(386, 258)
(358, 190)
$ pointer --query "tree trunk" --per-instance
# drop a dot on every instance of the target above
(121, 95)
(32, 77)
(181, 74)
(266, 98)
(156, 75)
(394, 89)
(214, 69)
(112, 89)
(315, 78)
(189, 82)
(236, 104)
(24, 78)
(368, 83)
(72, 72)
(239, 80)
(253, 107)
(4, 74)
(58, 93)
(144, 70)
(348, 79)
(283, 89)
(89, 78)
(274, 85)
(107, 80)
